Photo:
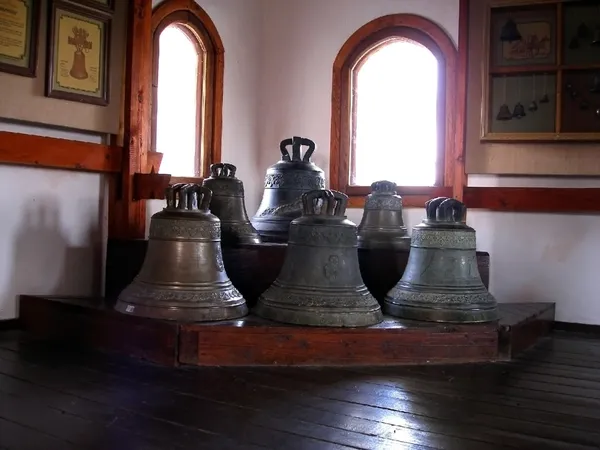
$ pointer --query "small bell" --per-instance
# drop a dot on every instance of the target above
(595, 84)
(583, 31)
(545, 99)
(228, 205)
(574, 43)
(519, 111)
(504, 113)
(510, 32)
(596, 39)
(533, 106)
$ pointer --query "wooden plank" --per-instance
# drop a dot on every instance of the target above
(459, 180)
(54, 153)
(149, 186)
(526, 199)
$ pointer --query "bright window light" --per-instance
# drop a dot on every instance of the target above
(177, 109)
(395, 135)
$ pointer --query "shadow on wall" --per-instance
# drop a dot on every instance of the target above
(44, 261)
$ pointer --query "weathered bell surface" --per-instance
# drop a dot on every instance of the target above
(183, 277)
(320, 282)
(285, 183)
(228, 205)
(441, 282)
(382, 225)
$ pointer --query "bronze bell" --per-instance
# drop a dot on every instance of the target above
(320, 282)
(285, 183)
(382, 225)
(183, 277)
(228, 205)
(441, 282)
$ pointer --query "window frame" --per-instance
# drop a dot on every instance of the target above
(350, 56)
(198, 26)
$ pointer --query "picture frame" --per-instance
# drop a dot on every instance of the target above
(78, 54)
(21, 57)
(102, 5)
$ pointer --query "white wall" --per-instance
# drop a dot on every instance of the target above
(53, 228)
(534, 257)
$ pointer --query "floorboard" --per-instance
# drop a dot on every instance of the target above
(52, 397)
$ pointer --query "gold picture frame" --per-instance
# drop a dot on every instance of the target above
(78, 54)
(19, 25)
(104, 5)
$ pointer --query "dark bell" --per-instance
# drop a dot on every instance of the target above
(504, 113)
(545, 99)
(533, 106)
(183, 277)
(595, 84)
(441, 282)
(510, 32)
(382, 225)
(285, 183)
(229, 206)
(596, 38)
(320, 282)
(519, 111)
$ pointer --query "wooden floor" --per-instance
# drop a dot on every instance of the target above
(54, 399)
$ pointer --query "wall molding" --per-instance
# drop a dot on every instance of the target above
(55, 153)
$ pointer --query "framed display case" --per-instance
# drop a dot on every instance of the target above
(542, 71)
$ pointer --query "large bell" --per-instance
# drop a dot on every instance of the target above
(441, 282)
(228, 205)
(382, 225)
(285, 183)
(183, 277)
(320, 282)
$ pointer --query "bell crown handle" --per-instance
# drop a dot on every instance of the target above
(188, 197)
(324, 202)
(222, 170)
(298, 142)
(444, 209)
(283, 145)
(383, 187)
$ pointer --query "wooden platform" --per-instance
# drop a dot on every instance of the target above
(253, 341)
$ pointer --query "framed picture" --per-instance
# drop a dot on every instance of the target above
(19, 24)
(78, 54)
(104, 5)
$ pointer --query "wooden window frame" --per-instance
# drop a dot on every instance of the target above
(433, 37)
(203, 32)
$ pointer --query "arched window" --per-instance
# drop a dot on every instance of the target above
(187, 88)
(392, 109)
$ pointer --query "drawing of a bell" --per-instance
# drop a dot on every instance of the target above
(596, 38)
(510, 32)
(545, 99)
(382, 225)
(229, 206)
(320, 282)
(285, 183)
(183, 277)
(504, 113)
(519, 111)
(78, 69)
(441, 282)
(595, 84)
(533, 106)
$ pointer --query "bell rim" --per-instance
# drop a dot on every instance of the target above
(190, 314)
(445, 314)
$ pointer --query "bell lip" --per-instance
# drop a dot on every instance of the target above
(474, 313)
(179, 314)
(397, 243)
(329, 317)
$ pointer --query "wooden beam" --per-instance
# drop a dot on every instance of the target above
(150, 186)
(459, 180)
(53, 153)
(528, 199)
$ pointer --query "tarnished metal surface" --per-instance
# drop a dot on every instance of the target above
(441, 282)
(382, 225)
(320, 282)
(285, 183)
(183, 277)
(228, 205)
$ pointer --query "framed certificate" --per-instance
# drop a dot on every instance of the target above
(19, 23)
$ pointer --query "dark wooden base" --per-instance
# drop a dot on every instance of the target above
(254, 341)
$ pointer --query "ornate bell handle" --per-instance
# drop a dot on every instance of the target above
(172, 194)
(383, 187)
(199, 197)
(324, 202)
(222, 170)
(285, 155)
(298, 142)
(451, 210)
(431, 207)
